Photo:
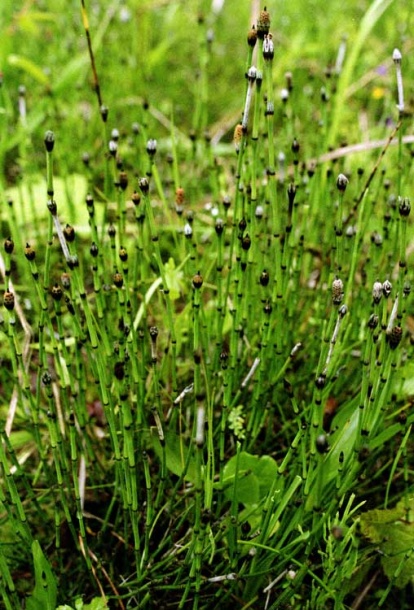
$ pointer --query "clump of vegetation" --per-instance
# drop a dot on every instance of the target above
(206, 334)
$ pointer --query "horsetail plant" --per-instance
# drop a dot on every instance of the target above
(206, 365)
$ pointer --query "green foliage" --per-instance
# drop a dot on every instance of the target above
(177, 454)
(45, 592)
(205, 345)
(249, 478)
(98, 603)
(392, 531)
(174, 278)
(29, 198)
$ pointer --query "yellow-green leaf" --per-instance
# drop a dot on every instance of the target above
(173, 276)
(28, 66)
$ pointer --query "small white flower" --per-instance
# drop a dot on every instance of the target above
(124, 14)
(284, 95)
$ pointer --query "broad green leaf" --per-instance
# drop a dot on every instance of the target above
(28, 66)
(96, 604)
(343, 441)
(266, 472)
(28, 21)
(173, 276)
(45, 590)
(407, 386)
(20, 439)
(176, 452)
(255, 477)
(33, 193)
(393, 531)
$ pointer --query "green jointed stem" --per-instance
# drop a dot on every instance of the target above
(18, 512)
(157, 254)
(193, 527)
